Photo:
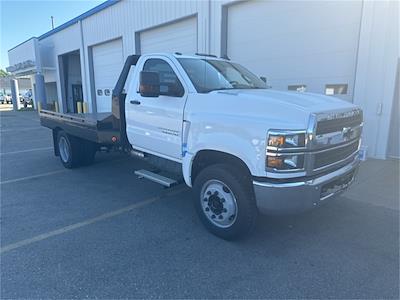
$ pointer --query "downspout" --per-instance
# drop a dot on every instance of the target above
(209, 26)
(83, 67)
(39, 77)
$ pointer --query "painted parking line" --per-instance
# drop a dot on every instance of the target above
(87, 222)
(24, 151)
(53, 172)
(33, 176)
(22, 129)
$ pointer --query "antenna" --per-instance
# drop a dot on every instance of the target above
(52, 22)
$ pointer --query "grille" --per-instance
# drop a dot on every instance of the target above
(332, 156)
(334, 125)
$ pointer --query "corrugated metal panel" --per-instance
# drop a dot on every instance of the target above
(107, 65)
(315, 45)
(179, 36)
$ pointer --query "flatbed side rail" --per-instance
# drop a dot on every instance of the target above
(65, 117)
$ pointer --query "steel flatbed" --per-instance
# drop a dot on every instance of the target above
(95, 127)
(108, 129)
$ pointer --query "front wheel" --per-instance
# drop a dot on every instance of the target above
(225, 201)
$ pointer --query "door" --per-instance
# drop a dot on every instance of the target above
(297, 43)
(107, 65)
(154, 124)
(180, 36)
(77, 95)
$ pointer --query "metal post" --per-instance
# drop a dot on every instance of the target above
(15, 94)
(40, 90)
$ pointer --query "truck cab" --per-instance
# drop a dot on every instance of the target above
(244, 148)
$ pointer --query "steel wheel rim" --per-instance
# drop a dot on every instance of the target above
(218, 203)
(64, 149)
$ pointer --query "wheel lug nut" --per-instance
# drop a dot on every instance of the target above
(220, 217)
(205, 199)
(213, 217)
(207, 209)
(209, 193)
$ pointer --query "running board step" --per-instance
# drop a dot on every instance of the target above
(165, 181)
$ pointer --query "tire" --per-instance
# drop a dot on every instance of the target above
(88, 152)
(69, 150)
(230, 218)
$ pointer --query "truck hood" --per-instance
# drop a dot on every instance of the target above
(305, 102)
(279, 109)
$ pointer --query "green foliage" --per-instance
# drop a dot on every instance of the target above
(3, 73)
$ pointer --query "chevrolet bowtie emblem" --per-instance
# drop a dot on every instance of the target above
(346, 132)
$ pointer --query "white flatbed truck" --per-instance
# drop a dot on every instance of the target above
(243, 148)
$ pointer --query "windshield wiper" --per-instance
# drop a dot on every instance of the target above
(219, 89)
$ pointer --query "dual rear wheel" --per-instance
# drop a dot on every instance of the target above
(75, 152)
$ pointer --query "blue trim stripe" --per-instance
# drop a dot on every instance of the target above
(89, 13)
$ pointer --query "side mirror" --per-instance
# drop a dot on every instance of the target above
(149, 84)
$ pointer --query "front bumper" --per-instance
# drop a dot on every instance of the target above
(299, 196)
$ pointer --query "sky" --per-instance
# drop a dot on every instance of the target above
(21, 20)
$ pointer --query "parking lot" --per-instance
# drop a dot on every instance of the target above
(100, 232)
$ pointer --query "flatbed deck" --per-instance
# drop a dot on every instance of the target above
(107, 129)
(96, 127)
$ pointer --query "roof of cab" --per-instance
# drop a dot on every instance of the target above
(181, 55)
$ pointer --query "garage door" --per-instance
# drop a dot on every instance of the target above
(180, 36)
(107, 65)
(298, 43)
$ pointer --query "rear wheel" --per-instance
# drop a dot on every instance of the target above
(88, 152)
(68, 149)
(225, 201)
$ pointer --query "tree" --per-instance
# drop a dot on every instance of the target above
(3, 73)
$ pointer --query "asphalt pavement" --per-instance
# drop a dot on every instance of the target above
(100, 232)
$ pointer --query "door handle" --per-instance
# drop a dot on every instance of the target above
(135, 102)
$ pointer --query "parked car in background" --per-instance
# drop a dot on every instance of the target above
(5, 98)
(27, 98)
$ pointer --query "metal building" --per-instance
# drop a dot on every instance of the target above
(348, 49)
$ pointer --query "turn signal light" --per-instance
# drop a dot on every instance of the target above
(276, 140)
(275, 162)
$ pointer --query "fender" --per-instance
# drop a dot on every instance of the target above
(251, 153)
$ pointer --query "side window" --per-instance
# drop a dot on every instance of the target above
(169, 82)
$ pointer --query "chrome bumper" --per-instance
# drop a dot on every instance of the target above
(298, 196)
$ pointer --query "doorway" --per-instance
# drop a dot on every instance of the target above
(71, 80)
(77, 94)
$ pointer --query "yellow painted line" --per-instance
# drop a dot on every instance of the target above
(33, 176)
(28, 150)
(78, 225)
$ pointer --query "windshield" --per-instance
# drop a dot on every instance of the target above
(211, 75)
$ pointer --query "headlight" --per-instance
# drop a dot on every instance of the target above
(286, 140)
(284, 150)
(286, 162)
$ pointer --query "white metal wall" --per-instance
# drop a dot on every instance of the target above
(312, 43)
(179, 36)
(108, 61)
